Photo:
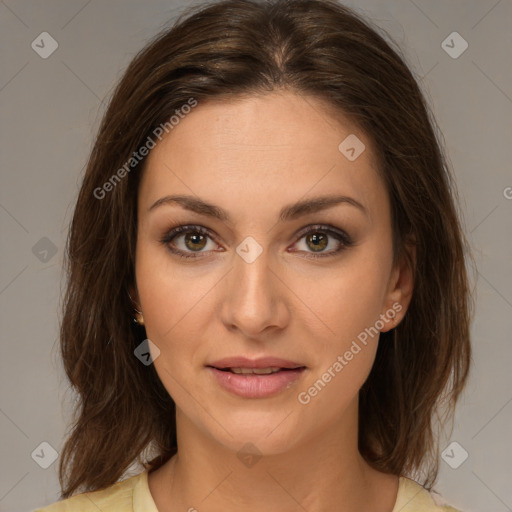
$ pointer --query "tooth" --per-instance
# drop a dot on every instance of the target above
(264, 371)
(257, 371)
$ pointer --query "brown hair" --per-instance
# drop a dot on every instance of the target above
(315, 48)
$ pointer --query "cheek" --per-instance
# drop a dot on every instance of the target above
(349, 306)
(330, 392)
(171, 294)
(350, 299)
(346, 341)
(171, 307)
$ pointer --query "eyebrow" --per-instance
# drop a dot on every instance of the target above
(287, 213)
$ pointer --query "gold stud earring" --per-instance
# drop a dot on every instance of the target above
(138, 319)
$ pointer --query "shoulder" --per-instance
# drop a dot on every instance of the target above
(412, 497)
(117, 497)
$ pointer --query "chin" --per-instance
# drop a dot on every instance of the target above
(271, 433)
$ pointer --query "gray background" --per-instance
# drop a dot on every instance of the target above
(50, 110)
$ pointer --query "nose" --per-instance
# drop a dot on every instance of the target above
(255, 298)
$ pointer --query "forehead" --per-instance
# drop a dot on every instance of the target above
(266, 146)
(276, 122)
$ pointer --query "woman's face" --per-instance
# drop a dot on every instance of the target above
(251, 288)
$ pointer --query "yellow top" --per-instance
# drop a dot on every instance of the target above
(133, 495)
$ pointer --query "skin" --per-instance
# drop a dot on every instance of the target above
(252, 156)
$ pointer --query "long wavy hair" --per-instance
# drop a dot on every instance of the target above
(316, 48)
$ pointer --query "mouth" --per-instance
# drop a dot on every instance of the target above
(258, 378)
(257, 371)
(268, 364)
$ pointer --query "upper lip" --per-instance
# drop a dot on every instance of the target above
(261, 362)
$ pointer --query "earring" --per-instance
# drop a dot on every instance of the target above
(138, 319)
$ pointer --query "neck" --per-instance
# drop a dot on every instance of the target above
(325, 472)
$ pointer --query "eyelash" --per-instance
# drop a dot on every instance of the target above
(341, 236)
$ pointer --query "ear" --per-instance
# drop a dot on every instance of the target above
(400, 286)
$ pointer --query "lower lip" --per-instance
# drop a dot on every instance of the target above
(256, 386)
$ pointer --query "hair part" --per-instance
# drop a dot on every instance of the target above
(231, 49)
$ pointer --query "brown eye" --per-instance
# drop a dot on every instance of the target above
(317, 241)
(318, 238)
(195, 241)
(188, 241)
